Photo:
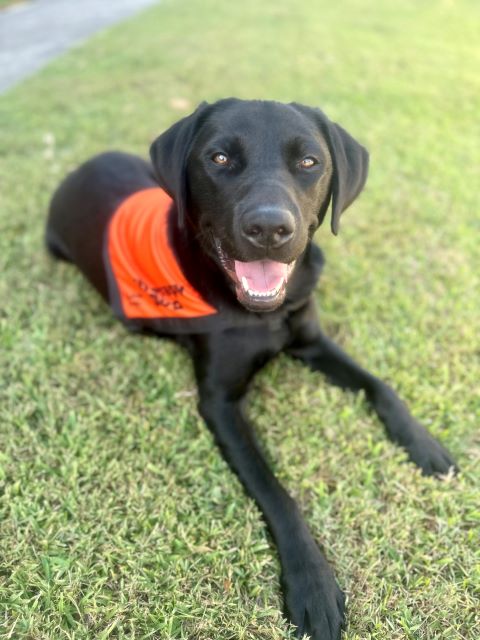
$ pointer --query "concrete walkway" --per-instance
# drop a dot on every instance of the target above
(35, 31)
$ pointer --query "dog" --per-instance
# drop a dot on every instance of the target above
(210, 244)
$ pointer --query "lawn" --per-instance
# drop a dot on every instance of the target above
(6, 3)
(119, 518)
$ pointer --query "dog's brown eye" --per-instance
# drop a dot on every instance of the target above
(307, 162)
(220, 158)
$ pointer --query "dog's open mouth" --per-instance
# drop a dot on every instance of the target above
(260, 285)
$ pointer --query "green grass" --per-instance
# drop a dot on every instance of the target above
(118, 517)
(7, 3)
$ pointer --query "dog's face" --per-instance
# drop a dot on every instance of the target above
(255, 180)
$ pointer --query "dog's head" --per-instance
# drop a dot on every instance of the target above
(255, 180)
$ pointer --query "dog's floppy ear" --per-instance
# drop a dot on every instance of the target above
(169, 154)
(350, 169)
(350, 165)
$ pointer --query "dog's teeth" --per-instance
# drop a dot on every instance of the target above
(245, 283)
(264, 294)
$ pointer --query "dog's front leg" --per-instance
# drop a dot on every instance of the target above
(320, 353)
(314, 603)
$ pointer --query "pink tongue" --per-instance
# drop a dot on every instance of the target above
(262, 275)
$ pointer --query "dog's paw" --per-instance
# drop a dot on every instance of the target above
(430, 456)
(313, 600)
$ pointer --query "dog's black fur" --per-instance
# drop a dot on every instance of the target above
(260, 172)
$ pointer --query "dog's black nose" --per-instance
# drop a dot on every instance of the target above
(270, 227)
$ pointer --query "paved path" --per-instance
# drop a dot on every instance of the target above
(35, 31)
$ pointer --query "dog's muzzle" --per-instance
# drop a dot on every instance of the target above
(260, 285)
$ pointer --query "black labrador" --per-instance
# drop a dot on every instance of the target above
(249, 182)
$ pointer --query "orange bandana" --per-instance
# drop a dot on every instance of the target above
(149, 279)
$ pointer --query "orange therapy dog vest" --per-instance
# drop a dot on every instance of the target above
(143, 269)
